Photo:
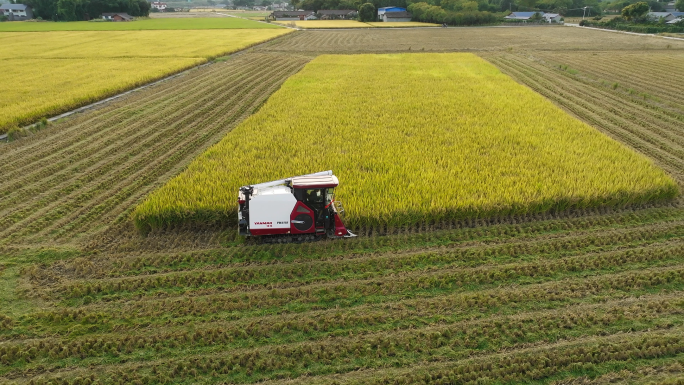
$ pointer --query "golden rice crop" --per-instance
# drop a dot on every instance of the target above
(322, 24)
(50, 72)
(402, 24)
(326, 24)
(413, 137)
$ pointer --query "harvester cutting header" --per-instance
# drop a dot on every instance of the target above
(297, 208)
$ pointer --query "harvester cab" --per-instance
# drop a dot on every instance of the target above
(292, 209)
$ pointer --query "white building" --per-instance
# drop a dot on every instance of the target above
(159, 5)
(16, 12)
(396, 17)
(552, 17)
(526, 16)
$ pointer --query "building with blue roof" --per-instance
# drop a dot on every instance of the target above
(383, 10)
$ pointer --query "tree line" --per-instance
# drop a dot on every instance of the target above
(74, 10)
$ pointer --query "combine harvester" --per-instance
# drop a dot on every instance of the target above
(300, 208)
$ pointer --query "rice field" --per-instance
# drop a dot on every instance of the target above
(398, 24)
(343, 24)
(592, 296)
(167, 23)
(495, 148)
(323, 24)
(70, 69)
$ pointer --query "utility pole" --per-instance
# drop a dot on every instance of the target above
(584, 12)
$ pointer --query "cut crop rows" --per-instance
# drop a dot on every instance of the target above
(85, 174)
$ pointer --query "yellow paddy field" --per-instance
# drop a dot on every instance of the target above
(450, 137)
(323, 24)
(46, 73)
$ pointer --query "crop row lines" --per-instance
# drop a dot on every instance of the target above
(463, 253)
(392, 312)
(79, 131)
(610, 123)
(56, 210)
(590, 356)
(144, 150)
(365, 293)
(451, 278)
(136, 182)
(655, 119)
(633, 76)
(664, 372)
(139, 141)
(107, 125)
(468, 261)
(453, 340)
(540, 361)
(651, 133)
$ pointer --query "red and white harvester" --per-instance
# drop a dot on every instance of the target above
(299, 208)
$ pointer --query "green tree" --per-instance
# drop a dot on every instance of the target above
(680, 5)
(367, 12)
(635, 11)
(470, 6)
(70, 10)
(526, 5)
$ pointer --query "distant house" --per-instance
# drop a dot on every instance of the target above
(159, 5)
(526, 16)
(119, 16)
(259, 8)
(396, 16)
(330, 14)
(670, 7)
(293, 15)
(667, 16)
(16, 12)
(383, 10)
(552, 17)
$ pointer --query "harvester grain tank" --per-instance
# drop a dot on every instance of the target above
(293, 209)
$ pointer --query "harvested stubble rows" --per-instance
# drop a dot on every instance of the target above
(642, 111)
(71, 69)
(446, 304)
(495, 148)
(589, 298)
(82, 175)
(344, 24)
(379, 40)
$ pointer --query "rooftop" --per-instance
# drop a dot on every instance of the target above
(14, 7)
(336, 11)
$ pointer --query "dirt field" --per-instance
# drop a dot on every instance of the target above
(592, 296)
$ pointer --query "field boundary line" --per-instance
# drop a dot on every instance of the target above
(626, 32)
